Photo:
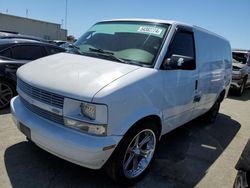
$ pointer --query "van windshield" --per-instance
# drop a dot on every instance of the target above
(240, 57)
(127, 42)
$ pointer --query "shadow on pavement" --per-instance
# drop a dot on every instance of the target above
(244, 97)
(185, 154)
(5, 111)
(182, 160)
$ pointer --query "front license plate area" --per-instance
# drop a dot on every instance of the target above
(25, 130)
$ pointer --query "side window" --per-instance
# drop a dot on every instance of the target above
(27, 52)
(51, 50)
(183, 44)
(6, 53)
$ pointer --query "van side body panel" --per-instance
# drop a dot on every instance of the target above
(214, 64)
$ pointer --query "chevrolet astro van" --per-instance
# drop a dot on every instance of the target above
(123, 85)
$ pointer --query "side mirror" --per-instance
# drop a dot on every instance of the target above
(179, 62)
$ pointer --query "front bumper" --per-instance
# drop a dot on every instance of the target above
(66, 143)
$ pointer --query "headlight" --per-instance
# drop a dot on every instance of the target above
(86, 117)
(88, 110)
(86, 127)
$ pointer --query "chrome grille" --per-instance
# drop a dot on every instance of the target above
(41, 95)
(43, 113)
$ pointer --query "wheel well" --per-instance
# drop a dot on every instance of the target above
(222, 95)
(154, 118)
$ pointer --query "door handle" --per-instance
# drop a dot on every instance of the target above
(196, 84)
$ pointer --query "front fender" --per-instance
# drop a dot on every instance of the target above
(136, 116)
(132, 98)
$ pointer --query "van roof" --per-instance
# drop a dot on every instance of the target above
(172, 22)
(143, 20)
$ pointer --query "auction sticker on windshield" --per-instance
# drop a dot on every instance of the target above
(152, 30)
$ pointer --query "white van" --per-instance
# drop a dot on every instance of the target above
(124, 84)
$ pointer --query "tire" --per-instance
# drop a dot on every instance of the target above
(242, 88)
(212, 114)
(240, 180)
(128, 163)
(7, 91)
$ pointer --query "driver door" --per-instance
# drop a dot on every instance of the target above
(180, 85)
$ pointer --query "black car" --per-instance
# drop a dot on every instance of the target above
(13, 54)
(57, 42)
(242, 179)
(15, 35)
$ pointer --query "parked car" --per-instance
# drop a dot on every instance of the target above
(6, 33)
(13, 54)
(8, 69)
(241, 71)
(128, 83)
(57, 42)
(242, 179)
(15, 35)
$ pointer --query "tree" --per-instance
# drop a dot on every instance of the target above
(71, 38)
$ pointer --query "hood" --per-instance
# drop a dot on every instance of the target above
(74, 76)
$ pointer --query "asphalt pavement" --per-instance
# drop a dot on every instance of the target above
(194, 155)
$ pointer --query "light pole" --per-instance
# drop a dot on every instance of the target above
(66, 14)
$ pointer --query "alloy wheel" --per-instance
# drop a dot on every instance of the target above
(6, 93)
(139, 153)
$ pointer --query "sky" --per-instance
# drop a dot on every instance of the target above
(228, 18)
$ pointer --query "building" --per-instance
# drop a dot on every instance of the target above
(37, 28)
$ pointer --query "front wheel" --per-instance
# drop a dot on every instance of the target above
(134, 154)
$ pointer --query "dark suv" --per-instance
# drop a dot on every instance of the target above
(14, 53)
(241, 70)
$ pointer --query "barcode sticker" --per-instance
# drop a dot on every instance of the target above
(152, 30)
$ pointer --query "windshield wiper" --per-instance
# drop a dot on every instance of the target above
(100, 51)
(111, 55)
(107, 54)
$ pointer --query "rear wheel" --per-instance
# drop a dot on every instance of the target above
(7, 91)
(134, 154)
(212, 114)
